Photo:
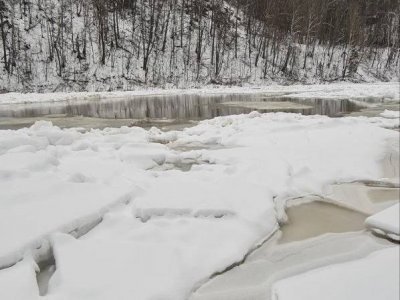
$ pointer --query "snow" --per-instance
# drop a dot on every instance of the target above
(53, 179)
(364, 198)
(275, 260)
(389, 90)
(387, 220)
(123, 257)
(160, 225)
(373, 277)
(390, 114)
(78, 66)
(19, 282)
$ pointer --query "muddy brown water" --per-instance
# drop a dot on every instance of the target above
(316, 218)
(378, 195)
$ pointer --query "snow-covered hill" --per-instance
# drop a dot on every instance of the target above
(71, 45)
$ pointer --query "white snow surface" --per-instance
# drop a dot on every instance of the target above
(387, 220)
(19, 282)
(388, 90)
(390, 114)
(373, 277)
(167, 226)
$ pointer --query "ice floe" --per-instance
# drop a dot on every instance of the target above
(157, 224)
(373, 277)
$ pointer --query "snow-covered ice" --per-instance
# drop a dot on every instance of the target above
(173, 227)
(373, 277)
(274, 261)
(19, 282)
(124, 258)
(53, 179)
(391, 114)
(386, 221)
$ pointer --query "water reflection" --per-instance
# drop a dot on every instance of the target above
(185, 107)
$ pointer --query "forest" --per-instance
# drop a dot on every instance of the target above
(75, 45)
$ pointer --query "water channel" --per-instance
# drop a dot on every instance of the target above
(174, 111)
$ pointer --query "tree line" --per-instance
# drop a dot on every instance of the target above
(118, 44)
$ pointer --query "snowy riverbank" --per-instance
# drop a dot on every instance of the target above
(389, 90)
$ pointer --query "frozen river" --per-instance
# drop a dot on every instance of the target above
(222, 208)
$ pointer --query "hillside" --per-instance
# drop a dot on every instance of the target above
(97, 45)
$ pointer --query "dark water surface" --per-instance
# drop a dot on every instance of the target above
(161, 111)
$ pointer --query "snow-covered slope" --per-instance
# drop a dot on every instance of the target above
(92, 46)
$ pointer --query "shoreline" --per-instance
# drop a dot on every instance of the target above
(389, 90)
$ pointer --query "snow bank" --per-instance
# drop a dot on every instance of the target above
(334, 90)
(374, 277)
(386, 221)
(354, 91)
